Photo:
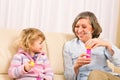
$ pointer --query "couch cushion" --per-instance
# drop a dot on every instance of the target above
(4, 77)
(7, 37)
(59, 77)
(55, 42)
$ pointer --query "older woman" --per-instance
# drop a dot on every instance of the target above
(78, 64)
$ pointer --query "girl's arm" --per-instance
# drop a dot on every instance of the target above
(48, 72)
(16, 68)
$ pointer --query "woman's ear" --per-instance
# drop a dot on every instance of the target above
(92, 31)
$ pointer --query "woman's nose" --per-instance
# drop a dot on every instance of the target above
(80, 29)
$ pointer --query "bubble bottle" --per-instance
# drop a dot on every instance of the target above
(88, 51)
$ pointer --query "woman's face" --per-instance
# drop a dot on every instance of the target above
(83, 29)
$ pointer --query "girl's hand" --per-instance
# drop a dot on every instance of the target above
(28, 66)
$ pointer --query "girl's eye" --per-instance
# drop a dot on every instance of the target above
(40, 42)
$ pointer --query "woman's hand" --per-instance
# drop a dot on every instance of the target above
(82, 60)
(93, 43)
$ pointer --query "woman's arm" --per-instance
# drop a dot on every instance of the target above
(116, 56)
(68, 64)
(112, 52)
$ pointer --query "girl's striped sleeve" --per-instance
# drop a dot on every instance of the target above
(47, 69)
(16, 68)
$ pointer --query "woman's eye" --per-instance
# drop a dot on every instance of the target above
(84, 26)
(76, 26)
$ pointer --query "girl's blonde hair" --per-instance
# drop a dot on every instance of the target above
(28, 36)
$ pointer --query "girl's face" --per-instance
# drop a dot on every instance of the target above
(37, 45)
(83, 30)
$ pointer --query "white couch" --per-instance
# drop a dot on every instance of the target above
(53, 46)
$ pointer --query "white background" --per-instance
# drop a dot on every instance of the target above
(58, 15)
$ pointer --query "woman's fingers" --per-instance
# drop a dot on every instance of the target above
(93, 43)
(82, 60)
(83, 55)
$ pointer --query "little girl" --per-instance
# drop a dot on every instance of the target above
(30, 63)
